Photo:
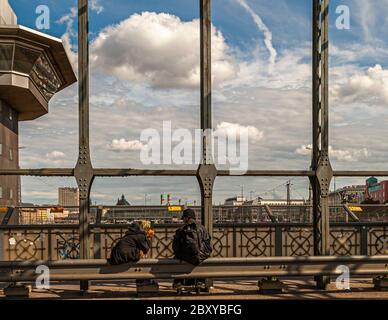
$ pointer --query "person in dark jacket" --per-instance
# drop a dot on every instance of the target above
(131, 247)
(192, 244)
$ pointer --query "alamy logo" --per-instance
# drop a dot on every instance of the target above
(343, 281)
(42, 22)
(343, 20)
(43, 280)
(225, 147)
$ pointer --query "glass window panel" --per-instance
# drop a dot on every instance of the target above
(24, 59)
(6, 51)
(45, 78)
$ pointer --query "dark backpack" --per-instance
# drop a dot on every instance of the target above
(189, 245)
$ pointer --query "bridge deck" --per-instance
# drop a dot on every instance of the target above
(294, 289)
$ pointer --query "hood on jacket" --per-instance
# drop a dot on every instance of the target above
(135, 228)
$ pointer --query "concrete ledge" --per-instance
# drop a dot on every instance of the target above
(270, 286)
(18, 291)
(213, 268)
(150, 288)
(381, 283)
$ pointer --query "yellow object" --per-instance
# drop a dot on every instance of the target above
(3, 209)
(355, 209)
(174, 208)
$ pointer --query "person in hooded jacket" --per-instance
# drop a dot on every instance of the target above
(131, 247)
(192, 243)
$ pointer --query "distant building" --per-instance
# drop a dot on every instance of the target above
(116, 213)
(122, 201)
(235, 201)
(376, 191)
(240, 210)
(68, 197)
(281, 210)
(350, 194)
(34, 215)
(275, 202)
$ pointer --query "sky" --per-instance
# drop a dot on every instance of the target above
(144, 59)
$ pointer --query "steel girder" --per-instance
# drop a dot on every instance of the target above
(215, 268)
(207, 172)
(320, 162)
(129, 172)
(83, 171)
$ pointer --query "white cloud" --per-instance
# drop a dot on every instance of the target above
(41, 194)
(121, 145)
(159, 49)
(96, 6)
(344, 54)
(337, 154)
(50, 159)
(349, 155)
(55, 155)
(264, 29)
(366, 86)
(367, 18)
(69, 48)
(304, 150)
(69, 19)
(235, 129)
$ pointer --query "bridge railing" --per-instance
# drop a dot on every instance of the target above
(57, 242)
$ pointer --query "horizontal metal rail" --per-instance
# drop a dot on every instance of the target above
(215, 268)
(109, 172)
(176, 225)
(360, 173)
(59, 172)
(222, 206)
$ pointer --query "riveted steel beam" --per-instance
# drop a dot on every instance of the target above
(361, 173)
(221, 268)
(43, 172)
(320, 162)
(207, 171)
(142, 172)
(128, 172)
(83, 171)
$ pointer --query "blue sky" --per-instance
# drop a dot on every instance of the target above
(288, 20)
(249, 90)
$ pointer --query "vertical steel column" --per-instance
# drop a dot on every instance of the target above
(83, 171)
(207, 171)
(320, 154)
